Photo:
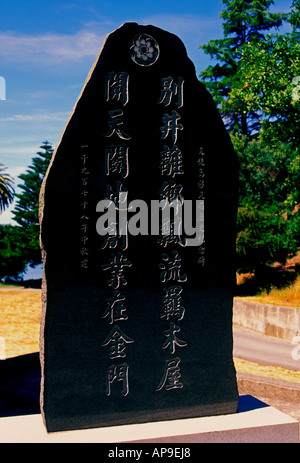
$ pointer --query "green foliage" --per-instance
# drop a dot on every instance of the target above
(268, 222)
(6, 189)
(265, 87)
(27, 206)
(26, 210)
(19, 245)
(264, 237)
(246, 19)
(268, 174)
(256, 85)
(243, 21)
(294, 17)
(12, 251)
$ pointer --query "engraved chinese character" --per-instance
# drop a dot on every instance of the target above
(171, 267)
(117, 373)
(171, 376)
(116, 265)
(201, 151)
(85, 171)
(84, 157)
(84, 204)
(115, 123)
(118, 196)
(84, 216)
(201, 174)
(170, 192)
(201, 260)
(112, 239)
(171, 232)
(115, 308)
(84, 252)
(171, 125)
(84, 264)
(84, 228)
(84, 239)
(201, 251)
(116, 87)
(116, 160)
(172, 303)
(116, 235)
(169, 89)
(171, 161)
(172, 341)
(201, 184)
(117, 340)
(201, 162)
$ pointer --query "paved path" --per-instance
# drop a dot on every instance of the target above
(265, 350)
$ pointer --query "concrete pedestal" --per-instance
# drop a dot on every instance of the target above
(255, 422)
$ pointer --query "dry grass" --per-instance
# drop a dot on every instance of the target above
(243, 366)
(242, 278)
(289, 296)
(20, 312)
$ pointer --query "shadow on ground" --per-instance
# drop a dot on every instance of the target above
(20, 379)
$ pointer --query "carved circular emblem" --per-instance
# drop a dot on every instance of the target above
(145, 50)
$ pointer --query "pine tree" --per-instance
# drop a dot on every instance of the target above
(26, 212)
(242, 21)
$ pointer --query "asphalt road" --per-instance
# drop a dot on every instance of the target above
(265, 350)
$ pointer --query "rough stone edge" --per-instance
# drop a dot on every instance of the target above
(41, 216)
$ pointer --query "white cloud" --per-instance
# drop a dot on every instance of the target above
(189, 27)
(50, 48)
(17, 154)
(40, 95)
(37, 117)
(14, 172)
(55, 48)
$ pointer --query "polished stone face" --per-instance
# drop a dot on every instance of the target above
(137, 303)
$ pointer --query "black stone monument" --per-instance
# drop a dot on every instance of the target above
(137, 319)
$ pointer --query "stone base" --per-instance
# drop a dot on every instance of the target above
(255, 422)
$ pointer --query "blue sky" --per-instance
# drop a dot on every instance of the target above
(48, 48)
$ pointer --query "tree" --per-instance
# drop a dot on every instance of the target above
(268, 222)
(244, 20)
(294, 17)
(256, 86)
(6, 189)
(12, 251)
(26, 210)
(267, 83)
